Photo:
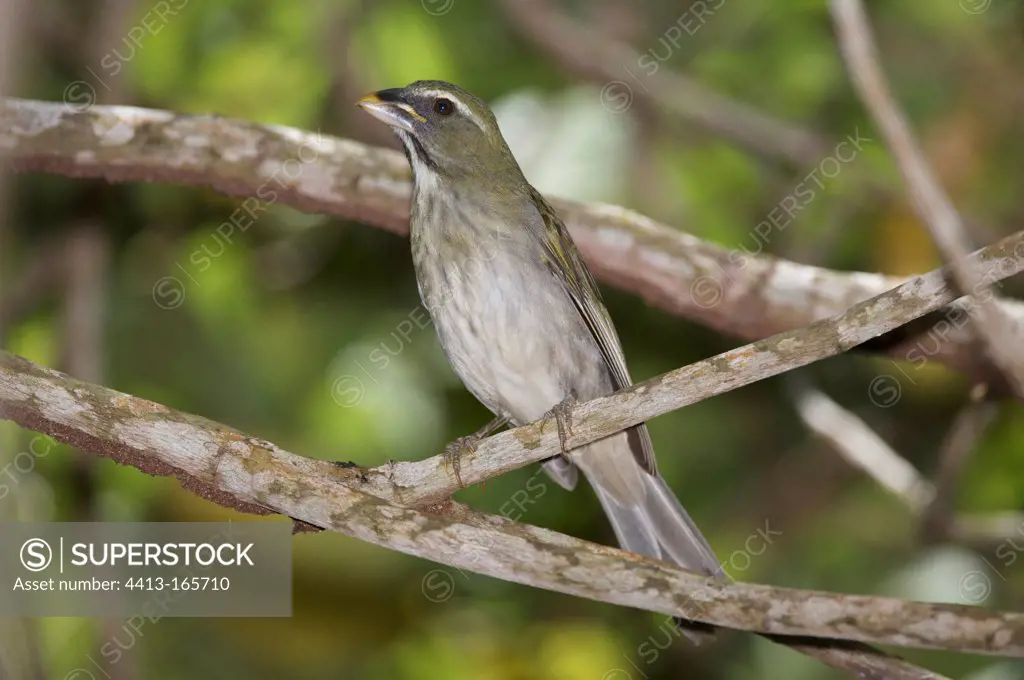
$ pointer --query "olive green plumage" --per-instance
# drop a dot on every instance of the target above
(516, 309)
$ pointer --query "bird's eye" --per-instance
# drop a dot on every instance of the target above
(443, 106)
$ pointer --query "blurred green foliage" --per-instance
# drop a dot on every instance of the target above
(299, 330)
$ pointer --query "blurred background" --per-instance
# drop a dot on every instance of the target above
(298, 331)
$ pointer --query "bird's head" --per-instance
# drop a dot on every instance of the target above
(445, 131)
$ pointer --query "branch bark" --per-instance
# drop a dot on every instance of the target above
(743, 295)
(252, 474)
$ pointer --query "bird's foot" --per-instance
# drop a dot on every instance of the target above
(697, 632)
(344, 464)
(454, 451)
(468, 445)
(562, 413)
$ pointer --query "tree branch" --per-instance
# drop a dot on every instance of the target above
(249, 473)
(932, 205)
(931, 503)
(426, 481)
(598, 58)
(862, 660)
(749, 296)
(939, 521)
(861, 446)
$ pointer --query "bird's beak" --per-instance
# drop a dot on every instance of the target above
(389, 107)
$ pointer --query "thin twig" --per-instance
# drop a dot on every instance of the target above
(938, 520)
(860, 445)
(84, 333)
(863, 661)
(934, 208)
(852, 438)
(986, 532)
(619, 67)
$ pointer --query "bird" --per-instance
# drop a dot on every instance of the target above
(518, 313)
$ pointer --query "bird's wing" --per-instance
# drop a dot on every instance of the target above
(567, 265)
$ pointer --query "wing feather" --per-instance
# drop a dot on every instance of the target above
(569, 268)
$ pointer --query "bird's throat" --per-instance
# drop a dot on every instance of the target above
(416, 153)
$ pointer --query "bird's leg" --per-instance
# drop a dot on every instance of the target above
(468, 444)
(562, 413)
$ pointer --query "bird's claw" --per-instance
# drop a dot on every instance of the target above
(454, 451)
(562, 413)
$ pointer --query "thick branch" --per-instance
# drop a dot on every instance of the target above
(744, 295)
(241, 470)
(932, 204)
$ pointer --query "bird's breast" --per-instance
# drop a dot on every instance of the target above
(507, 325)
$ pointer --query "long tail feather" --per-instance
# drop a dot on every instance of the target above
(632, 529)
(680, 539)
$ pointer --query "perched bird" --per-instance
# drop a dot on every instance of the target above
(517, 311)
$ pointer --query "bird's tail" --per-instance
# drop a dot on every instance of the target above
(643, 511)
(681, 541)
(658, 526)
(649, 520)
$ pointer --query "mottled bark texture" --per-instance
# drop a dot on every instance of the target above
(248, 473)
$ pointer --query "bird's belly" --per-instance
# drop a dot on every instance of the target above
(515, 339)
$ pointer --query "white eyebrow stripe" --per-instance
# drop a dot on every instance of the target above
(459, 103)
